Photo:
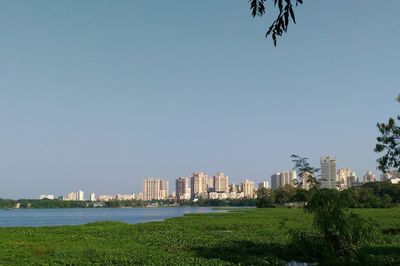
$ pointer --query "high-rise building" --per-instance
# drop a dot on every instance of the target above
(92, 197)
(248, 188)
(182, 188)
(283, 178)
(220, 183)
(80, 195)
(199, 185)
(106, 197)
(164, 189)
(263, 184)
(369, 177)
(342, 176)
(155, 189)
(352, 180)
(328, 172)
(391, 174)
(210, 183)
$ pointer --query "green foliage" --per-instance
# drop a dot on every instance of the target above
(307, 175)
(285, 194)
(389, 142)
(241, 236)
(343, 233)
(265, 198)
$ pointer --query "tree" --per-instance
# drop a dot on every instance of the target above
(265, 198)
(342, 233)
(305, 172)
(285, 194)
(389, 142)
(281, 22)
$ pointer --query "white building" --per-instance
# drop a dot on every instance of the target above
(282, 179)
(155, 189)
(263, 184)
(220, 181)
(48, 196)
(71, 196)
(199, 184)
(92, 197)
(248, 189)
(395, 180)
(125, 196)
(369, 177)
(352, 180)
(182, 186)
(80, 195)
(342, 177)
(106, 197)
(328, 172)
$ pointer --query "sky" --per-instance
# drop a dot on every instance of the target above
(97, 95)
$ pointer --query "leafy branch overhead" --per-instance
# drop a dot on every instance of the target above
(281, 23)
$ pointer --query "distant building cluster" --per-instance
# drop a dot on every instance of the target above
(201, 186)
(75, 196)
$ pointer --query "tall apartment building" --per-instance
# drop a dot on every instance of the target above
(248, 188)
(199, 184)
(155, 189)
(328, 172)
(74, 196)
(220, 182)
(182, 188)
(391, 174)
(164, 189)
(342, 175)
(263, 184)
(283, 178)
(210, 183)
(352, 180)
(369, 177)
(92, 197)
(80, 195)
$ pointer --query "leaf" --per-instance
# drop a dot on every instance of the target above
(292, 14)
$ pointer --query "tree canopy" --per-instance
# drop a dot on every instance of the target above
(389, 142)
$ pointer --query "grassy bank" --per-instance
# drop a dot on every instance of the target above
(250, 236)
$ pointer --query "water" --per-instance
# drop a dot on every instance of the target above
(56, 217)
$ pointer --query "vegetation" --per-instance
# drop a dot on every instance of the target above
(340, 235)
(243, 236)
(370, 195)
(389, 142)
(281, 22)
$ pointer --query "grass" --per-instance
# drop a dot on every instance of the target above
(246, 237)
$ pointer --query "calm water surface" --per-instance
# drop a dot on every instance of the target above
(54, 217)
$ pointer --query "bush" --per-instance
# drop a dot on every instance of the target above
(339, 235)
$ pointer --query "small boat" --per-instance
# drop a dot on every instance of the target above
(8, 209)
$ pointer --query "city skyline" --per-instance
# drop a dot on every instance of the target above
(199, 183)
(116, 94)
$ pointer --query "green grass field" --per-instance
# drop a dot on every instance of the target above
(245, 236)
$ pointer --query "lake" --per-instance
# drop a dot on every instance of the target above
(57, 217)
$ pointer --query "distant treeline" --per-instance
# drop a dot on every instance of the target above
(370, 195)
(57, 203)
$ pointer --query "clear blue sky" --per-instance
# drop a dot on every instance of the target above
(95, 95)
